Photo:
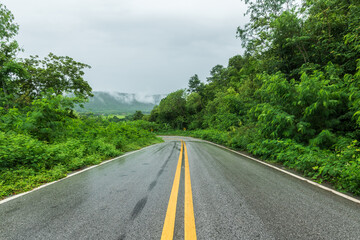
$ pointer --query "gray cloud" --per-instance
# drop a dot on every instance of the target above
(133, 46)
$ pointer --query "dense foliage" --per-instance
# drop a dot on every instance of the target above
(293, 97)
(41, 137)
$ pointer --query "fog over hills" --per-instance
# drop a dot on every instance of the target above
(120, 103)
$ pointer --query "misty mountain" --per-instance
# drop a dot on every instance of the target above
(120, 103)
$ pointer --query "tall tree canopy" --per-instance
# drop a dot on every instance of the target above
(24, 80)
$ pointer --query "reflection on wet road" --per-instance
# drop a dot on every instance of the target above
(233, 198)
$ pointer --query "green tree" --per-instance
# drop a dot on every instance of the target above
(328, 23)
(154, 115)
(61, 74)
(256, 35)
(21, 82)
(194, 107)
(138, 115)
(195, 85)
(9, 66)
(172, 109)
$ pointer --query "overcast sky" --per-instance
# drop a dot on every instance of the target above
(133, 46)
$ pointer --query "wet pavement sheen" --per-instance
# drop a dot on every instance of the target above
(234, 198)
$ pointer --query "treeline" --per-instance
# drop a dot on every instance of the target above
(41, 137)
(293, 97)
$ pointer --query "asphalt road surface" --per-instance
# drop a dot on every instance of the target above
(228, 197)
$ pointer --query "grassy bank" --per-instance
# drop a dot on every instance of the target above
(26, 162)
(340, 167)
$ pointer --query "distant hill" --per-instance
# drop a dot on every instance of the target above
(120, 103)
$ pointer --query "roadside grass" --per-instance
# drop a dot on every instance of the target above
(340, 168)
(27, 163)
(119, 116)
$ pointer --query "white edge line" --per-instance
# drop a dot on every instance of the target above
(71, 175)
(289, 173)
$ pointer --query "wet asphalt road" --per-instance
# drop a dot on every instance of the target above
(234, 198)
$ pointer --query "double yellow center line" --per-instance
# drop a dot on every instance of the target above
(189, 219)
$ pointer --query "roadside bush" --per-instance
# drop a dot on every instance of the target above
(146, 125)
(22, 179)
(341, 168)
(26, 162)
(213, 135)
(103, 147)
(65, 152)
(240, 138)
(18, 150)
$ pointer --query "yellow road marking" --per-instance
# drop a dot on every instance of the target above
(189, 219)
(169, 223)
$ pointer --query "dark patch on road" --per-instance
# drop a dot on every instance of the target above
(12, 210)
(160, 148)
(166, 162)
(152, 185)
(122, 237)
(159, 173)
(141, 203)
(138, 208)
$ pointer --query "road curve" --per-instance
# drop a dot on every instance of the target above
(233, 198)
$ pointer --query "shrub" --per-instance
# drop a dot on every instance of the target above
(19, 150)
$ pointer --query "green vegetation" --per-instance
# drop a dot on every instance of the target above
(293, 97)
(41, 137)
